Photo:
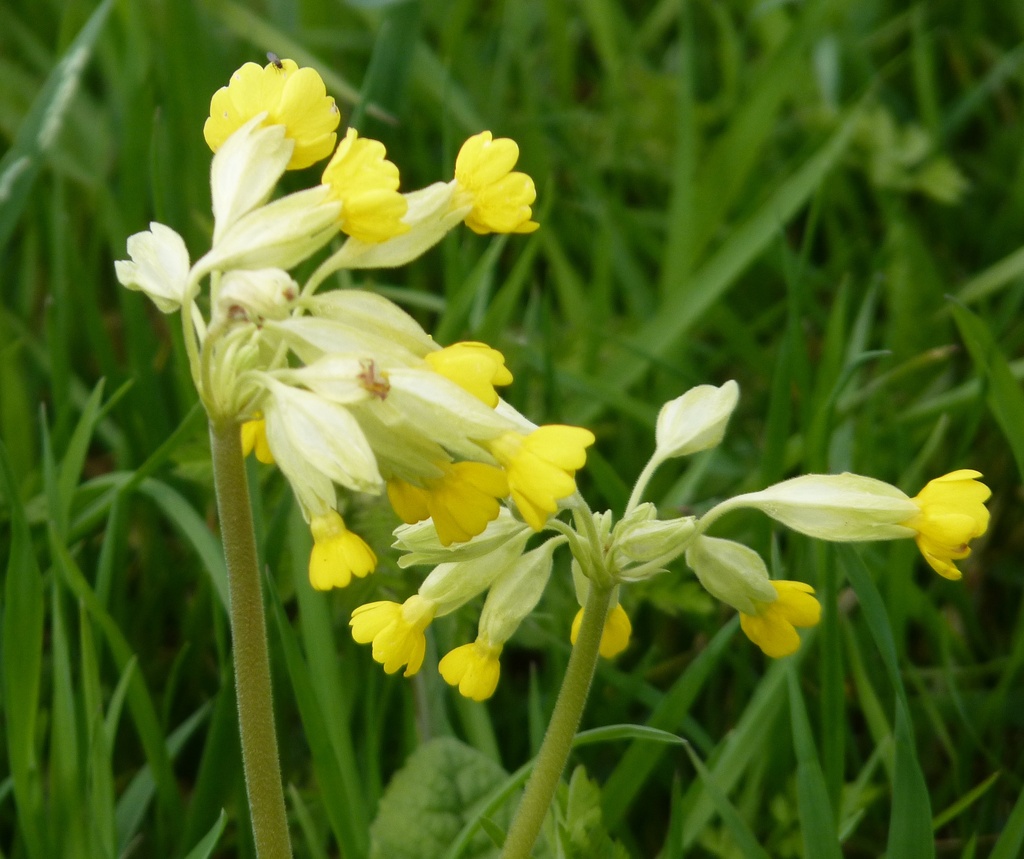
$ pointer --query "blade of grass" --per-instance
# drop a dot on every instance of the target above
(22, 669)
(910, 830)
(37, 133)
(817, 821)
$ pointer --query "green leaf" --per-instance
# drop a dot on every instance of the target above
(1005, 397)
(1011, 842)
(204, 849)
(22, 667)
(738, 829)
(910, 825)
(817, 821)
(431, 798)
(581, 832)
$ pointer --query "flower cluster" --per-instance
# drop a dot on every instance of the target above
(342, 388)
(944, 517)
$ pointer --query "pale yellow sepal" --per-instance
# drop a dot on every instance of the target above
(731, 572)
(158, 266)
(837, 507)
(245, 171)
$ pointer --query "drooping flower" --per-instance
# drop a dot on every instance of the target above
(289, 96)
(474, 668)
(396, 631)
(952, 513)
(476, 367)
(461, 501)
(772, 626)
(338, 554)
(366, 183)
(541, 467)
(501, 197)
(614, 636)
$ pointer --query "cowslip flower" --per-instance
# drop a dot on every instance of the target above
(614, 636)
(501, 198)
(772, 625)
(769, 610)
(289, 96)
(366, 184)
(541, 467)
(951, 513)
(338, 554)
(397, 630)
(475, 668)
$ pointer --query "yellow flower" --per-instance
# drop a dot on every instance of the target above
(293, 97)
(614, 636)
(475, 367)
(772, 627)
(541, 467)
(395, 630)
(501, 198)
(474, 668)
(254, 438)
(952, 514)
(461, 502)
(337, 553)
(366, 183)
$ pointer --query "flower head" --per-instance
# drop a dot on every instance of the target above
(366, 183)
(952, 513)
(772, 625)
(337, 553)
(501, 198)
(541, 467)
(474, 668)
(476, 367)
(614, 636)
(289, 96)
(461, 501)
(395, 630)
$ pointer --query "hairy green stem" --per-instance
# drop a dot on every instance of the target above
(249, 638)
(554, 751)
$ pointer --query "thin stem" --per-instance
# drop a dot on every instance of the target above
(641, 484)
(249, 637)
(554, 751)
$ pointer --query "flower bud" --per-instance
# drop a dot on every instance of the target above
(158, 266)
(266, 293)
(641, 537)
(695, 421)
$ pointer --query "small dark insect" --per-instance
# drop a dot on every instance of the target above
(275, 60)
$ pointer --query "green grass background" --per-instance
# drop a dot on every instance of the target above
(823, 200)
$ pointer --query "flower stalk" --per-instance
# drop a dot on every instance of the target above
(248, 635)
(554, 750)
